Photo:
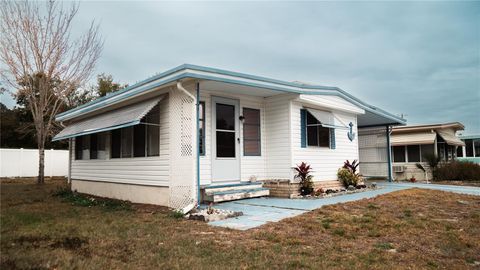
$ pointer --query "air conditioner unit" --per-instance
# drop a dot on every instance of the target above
(398, 169)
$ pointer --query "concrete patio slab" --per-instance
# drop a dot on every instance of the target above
(260, 211)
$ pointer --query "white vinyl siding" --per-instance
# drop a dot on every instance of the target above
(139, 170)
(278, 143)
(324, 161)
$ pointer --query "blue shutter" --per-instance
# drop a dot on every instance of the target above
(332, 138)
(303, 128)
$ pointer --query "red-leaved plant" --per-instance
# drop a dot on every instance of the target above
(303, 172)
(352, 167)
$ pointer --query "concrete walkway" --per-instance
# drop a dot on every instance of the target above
(259, 211)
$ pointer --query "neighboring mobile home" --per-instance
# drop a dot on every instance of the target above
(163, 139)
(471, 150)
(411, 144)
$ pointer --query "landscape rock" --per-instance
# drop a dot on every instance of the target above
(212, 214)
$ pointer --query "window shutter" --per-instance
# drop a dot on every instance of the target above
(303, 128)
(332, 138)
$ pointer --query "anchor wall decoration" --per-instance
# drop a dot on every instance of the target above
(351, 134)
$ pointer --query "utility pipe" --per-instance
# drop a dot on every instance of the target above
(389, 154)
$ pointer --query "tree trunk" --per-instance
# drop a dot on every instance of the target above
(41, 165)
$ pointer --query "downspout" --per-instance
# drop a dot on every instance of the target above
(185, 91)
(389, 155)
(198, 143)
(197, 105)
(69, 160)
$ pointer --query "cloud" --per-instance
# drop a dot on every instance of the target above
(417, 58)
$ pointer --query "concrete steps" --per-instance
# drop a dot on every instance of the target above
(234, 192)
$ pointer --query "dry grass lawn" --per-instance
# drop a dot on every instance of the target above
(415, 229)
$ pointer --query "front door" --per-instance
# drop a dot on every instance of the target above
(225, 141)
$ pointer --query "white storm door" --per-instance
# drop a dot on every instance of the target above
(225, 140)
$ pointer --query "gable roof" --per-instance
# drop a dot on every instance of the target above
(206, 73)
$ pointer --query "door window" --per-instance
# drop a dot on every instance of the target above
(225, 130)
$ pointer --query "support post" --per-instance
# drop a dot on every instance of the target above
(198, 142)
(389, 155)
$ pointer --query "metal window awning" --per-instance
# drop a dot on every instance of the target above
(123, 117)
(413, 138)
(326, 119)
(450, 138)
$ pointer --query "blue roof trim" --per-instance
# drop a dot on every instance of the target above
(137, 89)
(148, 80)
(258, 78)
(468, 137)
(133, 123)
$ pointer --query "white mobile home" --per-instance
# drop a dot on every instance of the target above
(164, 139)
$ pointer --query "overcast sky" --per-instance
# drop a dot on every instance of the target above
(420, 59)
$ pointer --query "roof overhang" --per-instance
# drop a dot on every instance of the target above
(251, 84)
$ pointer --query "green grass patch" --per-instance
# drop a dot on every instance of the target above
(339, 232)
(384, 246)
(78, 199)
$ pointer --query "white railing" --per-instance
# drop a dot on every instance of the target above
(24, 162)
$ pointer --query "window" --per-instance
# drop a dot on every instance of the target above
(152, 120)
(115, 145)
(459, 151)
(101, 145)
(93, 146)
(413, 152)
(78, 148)
(251, 132)
(476, 146)
(86, 147)
(426, 150)
(97, 146)
(126, 142)
(469, 148)
(201, 122)
(399, 154)
(316, 134)
(139, 132)
(225, 131)
(140, 140)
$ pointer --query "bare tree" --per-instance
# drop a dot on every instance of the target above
(42, 62)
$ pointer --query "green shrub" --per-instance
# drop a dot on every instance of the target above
(456, 170)
(347, 177)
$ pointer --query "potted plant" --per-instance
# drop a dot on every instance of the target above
(303, 173)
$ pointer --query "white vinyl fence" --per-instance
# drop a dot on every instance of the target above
(24, 162)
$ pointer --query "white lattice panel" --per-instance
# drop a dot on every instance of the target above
(183, 189)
